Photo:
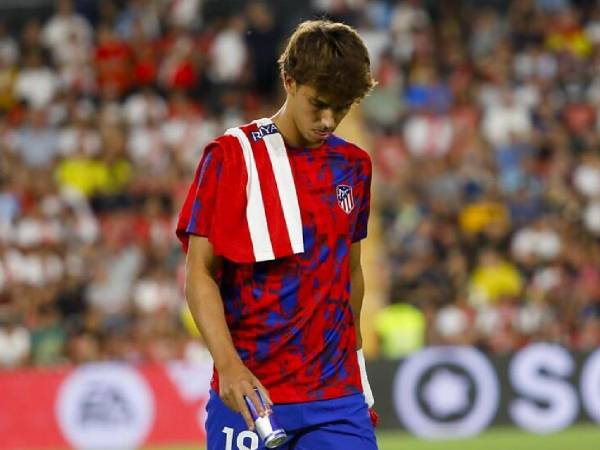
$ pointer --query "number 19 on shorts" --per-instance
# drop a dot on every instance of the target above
(246, 440)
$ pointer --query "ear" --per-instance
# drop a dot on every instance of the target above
(289, 84)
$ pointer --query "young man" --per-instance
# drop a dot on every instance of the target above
(272, 226)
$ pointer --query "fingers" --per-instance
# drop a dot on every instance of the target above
(243, 410)
(257, 402)
(234, 399)
(264, 392)
(241, 394)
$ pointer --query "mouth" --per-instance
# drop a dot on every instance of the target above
(322, 134)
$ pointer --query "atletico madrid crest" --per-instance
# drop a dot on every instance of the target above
(345, 200)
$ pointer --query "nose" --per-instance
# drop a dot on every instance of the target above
(327, 119)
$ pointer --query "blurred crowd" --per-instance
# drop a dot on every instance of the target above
(485, 144)
(104, 113)
(488, 150)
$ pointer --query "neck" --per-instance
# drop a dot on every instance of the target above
(284, 121)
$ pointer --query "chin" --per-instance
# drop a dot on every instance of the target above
(309, 140)
(314, 143)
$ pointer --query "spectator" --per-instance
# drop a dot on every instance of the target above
(484, 130)
(64, 27)
(113, 62)
(228, 53)
(493, 278)
(48, 337)
(36, 83)
(36, 142)
(262, 41)
(180, 67)
(15, 343)
(401, 330)
(506, 120)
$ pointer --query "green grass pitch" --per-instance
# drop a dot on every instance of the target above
(576, 438)
(580, 437)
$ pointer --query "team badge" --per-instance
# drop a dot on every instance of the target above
(344, 196)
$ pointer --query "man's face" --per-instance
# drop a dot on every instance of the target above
(315, 115)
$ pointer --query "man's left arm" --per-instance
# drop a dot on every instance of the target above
(357, 292)
(357, 289)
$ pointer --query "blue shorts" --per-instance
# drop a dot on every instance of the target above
(337, 424)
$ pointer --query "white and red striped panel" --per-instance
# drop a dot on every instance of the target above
(272, 209)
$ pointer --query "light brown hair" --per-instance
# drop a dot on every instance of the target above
(330, 57)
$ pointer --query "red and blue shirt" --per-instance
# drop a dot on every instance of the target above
(290, 318)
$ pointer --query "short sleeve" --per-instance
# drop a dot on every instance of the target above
(197, 214)
(362, 219)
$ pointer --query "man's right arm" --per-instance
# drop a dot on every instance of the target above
(205, 302)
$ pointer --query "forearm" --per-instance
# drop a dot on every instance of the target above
(206, 306)
(236, 382)
(357, 292)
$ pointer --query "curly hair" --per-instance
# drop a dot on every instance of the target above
(330, 57)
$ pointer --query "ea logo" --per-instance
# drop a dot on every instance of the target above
(443, 392)
(102, 406)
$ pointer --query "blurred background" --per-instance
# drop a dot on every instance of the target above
(482, 313)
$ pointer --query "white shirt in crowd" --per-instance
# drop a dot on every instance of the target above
(228, 55)
(428, 135)
(62, 28)
(15, 344)
(543, 244)
(506, 121)
(586, 179)
(37, 86)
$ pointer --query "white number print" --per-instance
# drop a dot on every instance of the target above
(242, 438)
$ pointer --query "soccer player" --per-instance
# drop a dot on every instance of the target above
(272, 225)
